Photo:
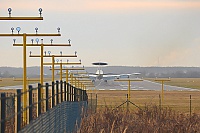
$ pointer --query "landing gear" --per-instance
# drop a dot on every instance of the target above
(105, 80)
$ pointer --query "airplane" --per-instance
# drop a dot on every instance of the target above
(100, 75)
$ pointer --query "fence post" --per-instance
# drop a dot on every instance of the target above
(65, 90)
(30, 103)
(190, 106)
(75, 94)
(96, 104)
(47, 97)
(71, 93)
(3, 112)
(83, 95)
(80, 94)
(68, 91)
(61, 91)
(39, 99)
(57, 93)
(19, 118)
(53, 94)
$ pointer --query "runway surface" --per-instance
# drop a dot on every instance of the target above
(138, 85)
(115, 85)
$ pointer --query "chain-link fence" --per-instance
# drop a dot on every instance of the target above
(40, 101)
(92, 102)
(65, 117)
(8, 106)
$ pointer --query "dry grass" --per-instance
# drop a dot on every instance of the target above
(150, 120)
(176, 100)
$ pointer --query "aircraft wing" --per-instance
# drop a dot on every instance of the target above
(92, 75)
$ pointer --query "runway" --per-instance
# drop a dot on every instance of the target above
(115, 85)
(138, 85)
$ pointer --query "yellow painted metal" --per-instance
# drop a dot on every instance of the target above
(21, 18)
(53, 71)
(129, 90)
(54, 56)
(124, 80)
(162, 91)
(79, 72)
(24, 35)
(85, 80)
(82, 77)
(162, 88)
(78, 86)
(8, 35)
(75, 82)
(25, 99)
(49, 45)
(69, 69)
(67, 76)
(42, 74)
(26, 79)
(61, 71)
(129, 85)
(65, 63)
(41, 65)
(71, 77)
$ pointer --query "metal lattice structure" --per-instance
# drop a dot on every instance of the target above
(60, 110)
(65, 117)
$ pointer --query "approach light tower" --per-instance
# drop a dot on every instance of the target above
(24, 48)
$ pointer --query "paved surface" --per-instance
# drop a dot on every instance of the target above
(115, 85)
(139, 85)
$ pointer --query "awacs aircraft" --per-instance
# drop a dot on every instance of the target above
(100, 75)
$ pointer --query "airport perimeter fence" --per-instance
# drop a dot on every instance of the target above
(92, 103)
(58, 110)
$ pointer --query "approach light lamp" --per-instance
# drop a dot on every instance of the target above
(69, 41)
(37, 40)
(58, 30)
(12, 29)
(42, 41)
(18, 29)
(49, 52)
(30, 53)
(32, 40)
(40, 12)
(51, 41)
(57, 60)
(14, 40)
(36, 29)
(45, 53)
(61, 53)
(9, 11)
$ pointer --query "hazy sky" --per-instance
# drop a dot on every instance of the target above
(120, 32)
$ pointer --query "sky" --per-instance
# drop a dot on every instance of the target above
(119, 32)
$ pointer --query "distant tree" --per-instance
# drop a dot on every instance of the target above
(6, 74)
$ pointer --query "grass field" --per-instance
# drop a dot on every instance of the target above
(182, 82)
(177, 100)
(11, 82)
